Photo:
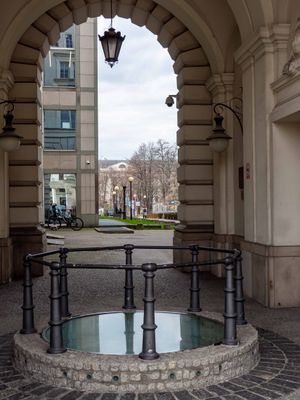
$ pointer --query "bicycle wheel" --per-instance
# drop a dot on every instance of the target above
(76, 224)
(54, 223)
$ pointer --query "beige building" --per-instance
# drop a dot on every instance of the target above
(70, 128)
(218, 46)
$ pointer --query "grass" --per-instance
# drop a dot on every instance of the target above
(137, 221)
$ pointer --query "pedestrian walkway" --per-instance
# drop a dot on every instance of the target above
(276, 377)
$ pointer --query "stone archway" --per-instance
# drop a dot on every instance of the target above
(194, 115)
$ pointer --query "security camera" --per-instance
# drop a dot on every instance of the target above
(169, 101)
(87, 162)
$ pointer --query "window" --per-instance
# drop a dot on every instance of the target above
(69, 40)
(67, 119)
(64, 71)
(60, 128)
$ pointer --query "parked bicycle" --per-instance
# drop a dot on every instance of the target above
(56, 221)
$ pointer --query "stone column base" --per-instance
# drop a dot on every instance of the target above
(6, 255)
(27, 240)
(186, 236)
(271, 273)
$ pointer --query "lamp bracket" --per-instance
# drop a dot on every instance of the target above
(233, 107)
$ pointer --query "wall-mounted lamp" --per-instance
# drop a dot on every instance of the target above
(9, 140)
(170, 100)
(219, 140)
(111, 42)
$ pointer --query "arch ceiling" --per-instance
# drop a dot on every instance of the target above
(209, 28)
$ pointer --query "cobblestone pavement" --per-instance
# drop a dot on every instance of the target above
(276, 377)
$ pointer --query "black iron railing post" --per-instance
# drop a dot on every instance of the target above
(230, 336)
(239, 292)
(195, 288)
(28, 307)
(129, 288)
(149, 342)
(56, 336)
(64, 283)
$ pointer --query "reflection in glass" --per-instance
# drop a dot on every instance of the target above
(121, 333)
(59, 192)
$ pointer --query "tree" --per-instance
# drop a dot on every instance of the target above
(154, 167)
(166, 165)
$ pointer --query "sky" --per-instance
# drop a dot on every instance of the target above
(132, 94)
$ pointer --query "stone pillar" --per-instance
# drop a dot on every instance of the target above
(195, 172)
(25, 172)
(227, 194)
(87, 161)
(271, 242)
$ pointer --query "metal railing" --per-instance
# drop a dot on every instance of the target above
(234, 313)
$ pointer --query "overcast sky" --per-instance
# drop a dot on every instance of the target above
(132, 94)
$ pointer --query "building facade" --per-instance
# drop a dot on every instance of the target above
(218, 47)
(70, 128)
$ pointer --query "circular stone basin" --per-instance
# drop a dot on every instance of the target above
(102, 353)
(121, 333)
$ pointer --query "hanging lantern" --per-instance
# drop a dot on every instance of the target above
(111, 42)
(9, 140)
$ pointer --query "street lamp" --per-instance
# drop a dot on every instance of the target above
(130, 179)
(144, 206)
(116, 188)
(219, 140)
(114, 202)
(9, 140)
(124, 202)
(111, 43)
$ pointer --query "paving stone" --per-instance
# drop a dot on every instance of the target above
(253, 378)
(13, 378)
(233, 387)
(72, 395)
(184, 395)
(55, 393)
(110, 396)
(91, 396)
(41, 390)
(231, 397)
(242, 382)
(268, 394)
(30, 386)
(277, 388)
(18, 396)
(202, 394)
(163, 396)
(250, 395)
(218, 390)
(145, 396)
(289, 384)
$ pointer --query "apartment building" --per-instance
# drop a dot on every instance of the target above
(70, 126)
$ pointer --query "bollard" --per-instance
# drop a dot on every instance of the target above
(149, 343)
(56, 336)
(195, 288)
(64, 283)
(230, 337)
(28, 314)
(239, 292)
(128, 293)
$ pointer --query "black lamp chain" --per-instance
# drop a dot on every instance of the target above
(111, 17)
